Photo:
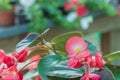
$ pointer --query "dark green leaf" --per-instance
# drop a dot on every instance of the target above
(46, 65)
(60, 41)
(53, 66)
(112, 56)
(26, 41)
(106, 74)
(91, 47)
(59, 78)
(115, 70)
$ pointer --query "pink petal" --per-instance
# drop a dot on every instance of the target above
(12, 74)
(85, 77)
(99, 60)
(73, 43)
(95, 76)
(20, 76)
(13, 68)
(83, 54)
(74, 63)
(2, 55)
(93, 62)
(91, 76)
(9, 61)
(38, 77)
(81, 11)
(72, 55)
(21, 56)
(84, 46)
(35, 62)
(67, 6)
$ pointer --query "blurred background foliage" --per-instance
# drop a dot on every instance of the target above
(48, 13)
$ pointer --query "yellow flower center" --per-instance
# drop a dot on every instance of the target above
(77, 50)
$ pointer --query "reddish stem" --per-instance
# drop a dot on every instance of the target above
(28, 64)
(35, 47)
(87, 67)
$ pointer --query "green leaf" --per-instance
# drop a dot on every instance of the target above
(112, 56)
(46, 65)
(106, 74)
(31, 39)
(111, 11)
(60, 41)
(29, 75)
(26, 41)
(53, 66)
(115, 70)
(91, 47)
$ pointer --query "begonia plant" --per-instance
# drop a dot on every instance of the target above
(66, 57)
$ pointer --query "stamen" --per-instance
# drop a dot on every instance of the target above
(77, 50)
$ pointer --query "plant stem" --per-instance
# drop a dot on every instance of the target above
(28, 64)
(87, 67)
(36, 47)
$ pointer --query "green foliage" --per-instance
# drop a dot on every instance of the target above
(46, 65)
(105, 73)
(112, 56)
(53, 66)
(26, 41)
(59, 41)
(115, 70)
(43, 11)
(91, 47)
(101, 5)
(5, 5)
(38, 21)
(30, 74)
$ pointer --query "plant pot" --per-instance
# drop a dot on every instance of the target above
(7, 18)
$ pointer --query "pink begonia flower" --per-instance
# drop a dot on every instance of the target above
(77, 51)
(9, 61)
(91, 76)
(35, 60)
(95, 61)
(76, 45)
(92, 64)
(81, 11)
(21, 56)
(74, 63)
(99, 60)
(67, 6)
(2, 55)
(11, 74)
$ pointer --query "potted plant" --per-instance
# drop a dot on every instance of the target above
(6, 13)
